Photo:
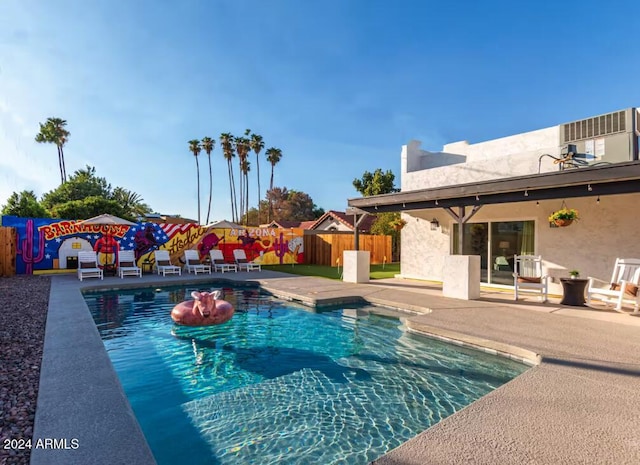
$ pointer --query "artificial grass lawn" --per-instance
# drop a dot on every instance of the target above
(333, 272)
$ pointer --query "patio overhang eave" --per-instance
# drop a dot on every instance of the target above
(618, 178)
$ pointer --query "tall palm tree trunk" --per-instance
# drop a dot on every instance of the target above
(240, 188)
(258, 169)
(246, 182)
(64, 167)
(210, 187)
(270, 201)
(60, 165)
(198, 177)
(232, 187)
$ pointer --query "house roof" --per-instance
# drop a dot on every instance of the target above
(289, 224)
(618, 178)
(345, 219)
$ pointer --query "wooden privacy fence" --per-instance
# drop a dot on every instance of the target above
(7, 251)
(325, 249)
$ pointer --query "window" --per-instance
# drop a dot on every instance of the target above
(496, 243)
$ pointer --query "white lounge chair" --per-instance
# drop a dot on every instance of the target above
(623, 287)
(193, 264)
(88, 266)
(127, 264)
(528, 277)
(163, 263)
(217, 260)
(243, 263)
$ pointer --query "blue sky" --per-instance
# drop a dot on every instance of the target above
(339, 86)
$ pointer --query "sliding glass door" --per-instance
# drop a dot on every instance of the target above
(496, 242)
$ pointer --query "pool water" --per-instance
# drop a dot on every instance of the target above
(280, 383)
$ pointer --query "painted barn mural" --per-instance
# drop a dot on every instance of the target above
(48, 244)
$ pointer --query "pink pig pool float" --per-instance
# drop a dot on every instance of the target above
(205, 309)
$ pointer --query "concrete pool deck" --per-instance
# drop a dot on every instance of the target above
(578, 404)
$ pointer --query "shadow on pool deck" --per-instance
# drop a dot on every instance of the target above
(578, 405)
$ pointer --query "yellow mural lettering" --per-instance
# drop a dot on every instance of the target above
(185, 240)
(65, 228)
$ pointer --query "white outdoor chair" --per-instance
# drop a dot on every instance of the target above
(163, 263)
(88, 266)
(217, 260)
(127, 264)
(192, 263)
(528, 277)
(243, 263)
(623, 287)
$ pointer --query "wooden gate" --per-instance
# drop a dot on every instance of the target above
(326, 249)
(7, 251)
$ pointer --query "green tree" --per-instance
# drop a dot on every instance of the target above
(132, 203)
(292, 205)
(85, 195)
(228, 150)
(89, 207)
(81, 184)
(386, 224)
(25, 205)
(273, 156)
(54, 132)
(208, 145)
(195, 148)
(375, 183)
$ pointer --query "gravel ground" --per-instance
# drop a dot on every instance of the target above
(23, 312)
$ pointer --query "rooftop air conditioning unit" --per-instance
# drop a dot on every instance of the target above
(612, 137)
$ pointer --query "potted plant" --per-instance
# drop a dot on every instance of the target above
(574, 274)
(563, 217)
(398, 224)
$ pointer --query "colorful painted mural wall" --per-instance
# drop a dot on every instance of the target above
(48, 244)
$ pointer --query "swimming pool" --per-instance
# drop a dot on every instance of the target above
(281, 383)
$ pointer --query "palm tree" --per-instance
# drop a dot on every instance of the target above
(62, 136)
(257, 145)
(194, 147)
(208, 144)
(226, 141)
(242, 149)
(273, 156)
(131, 202)
(245, 168)
(54, 132)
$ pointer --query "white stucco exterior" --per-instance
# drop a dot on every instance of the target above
(605, 231)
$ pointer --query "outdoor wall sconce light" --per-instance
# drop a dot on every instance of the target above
(434, 224)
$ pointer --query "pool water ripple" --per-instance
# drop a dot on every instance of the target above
(280, 383)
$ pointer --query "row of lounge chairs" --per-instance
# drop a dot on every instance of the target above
(88, 264)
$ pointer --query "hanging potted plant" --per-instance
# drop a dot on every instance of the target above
(563, 217)
(398, 224)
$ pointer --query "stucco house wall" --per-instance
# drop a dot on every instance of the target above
(461, 162)
(605, 231)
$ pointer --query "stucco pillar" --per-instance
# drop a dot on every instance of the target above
(356, 266)
(461, 277)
